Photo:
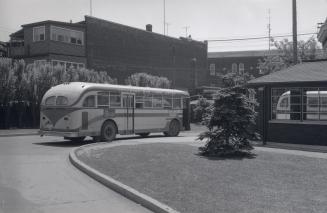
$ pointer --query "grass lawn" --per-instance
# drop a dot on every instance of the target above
(176, 176)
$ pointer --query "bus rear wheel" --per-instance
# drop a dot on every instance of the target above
(144, 135)
(108, 131)
(173, 130)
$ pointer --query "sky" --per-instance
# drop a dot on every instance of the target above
(205, 19)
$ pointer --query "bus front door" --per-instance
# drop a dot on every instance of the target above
(128, 106)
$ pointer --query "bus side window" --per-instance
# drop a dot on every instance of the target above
(115, 99)
(157, 101)
(167, 101)
(50, 100)
(89, 101)
(139, 102)
(177, 102)
(103, 99)
(148, 101)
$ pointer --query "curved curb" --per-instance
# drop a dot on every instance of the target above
(119, 187)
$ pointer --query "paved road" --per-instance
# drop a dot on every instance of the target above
(36, 176)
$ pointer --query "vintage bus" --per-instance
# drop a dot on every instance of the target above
(76, 110)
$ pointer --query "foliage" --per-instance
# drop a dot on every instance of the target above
(232, 79)
(307, 50)
(147, 80)
(21, 83)
(200, 109)
(230, 123)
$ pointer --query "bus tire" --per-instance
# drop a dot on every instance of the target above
(108, 131)
(173, 129)
(75, 139)
(144, 135)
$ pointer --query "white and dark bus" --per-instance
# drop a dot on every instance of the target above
(76, 110)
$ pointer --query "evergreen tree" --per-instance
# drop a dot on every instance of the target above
(230, 123)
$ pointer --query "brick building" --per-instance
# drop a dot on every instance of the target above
(118, 49)
(221, 63)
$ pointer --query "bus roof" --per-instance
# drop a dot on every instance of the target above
(73, 90)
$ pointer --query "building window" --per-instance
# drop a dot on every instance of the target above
(299, 104)
(241, 68)
(234, 68)
(39, 33)
(66, 64)
(212, 69)
(67, 35)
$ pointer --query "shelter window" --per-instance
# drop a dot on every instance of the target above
(299, 104)
(89, 101)
(39, 33)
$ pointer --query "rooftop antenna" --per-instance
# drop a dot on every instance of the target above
(164, 16)
(269, 30)
(186, 28)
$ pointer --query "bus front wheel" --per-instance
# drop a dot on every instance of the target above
(173, 130)
(108, 131)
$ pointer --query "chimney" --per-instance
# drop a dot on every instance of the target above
(148, 27)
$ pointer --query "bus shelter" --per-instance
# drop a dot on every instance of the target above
(293, 104)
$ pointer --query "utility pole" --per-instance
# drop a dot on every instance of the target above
(164, 16)
(167, 25)
(90, 7)
(186, 28)
(269, 30)
(294, 32)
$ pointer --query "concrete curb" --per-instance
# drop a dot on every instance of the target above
(18, 134)
(119, 187)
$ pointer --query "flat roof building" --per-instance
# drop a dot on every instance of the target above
(118, 49)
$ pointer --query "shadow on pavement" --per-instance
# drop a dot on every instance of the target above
(65, 143)
(68, 143)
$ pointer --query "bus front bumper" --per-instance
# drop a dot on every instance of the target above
(59, 133)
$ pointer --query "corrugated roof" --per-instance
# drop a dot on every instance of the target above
(305, 72)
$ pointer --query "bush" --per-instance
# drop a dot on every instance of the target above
(147, 80)
(230, 123)
(200, 109)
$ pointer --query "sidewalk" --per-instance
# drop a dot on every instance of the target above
(299, 147)
(17, 132)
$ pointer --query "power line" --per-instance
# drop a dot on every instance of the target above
(258, 38)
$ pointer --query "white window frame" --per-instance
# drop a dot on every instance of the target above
(234, 67)
(52, 27)
(38, 39)
(65, 62)
(212, 69)
(241, 68)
